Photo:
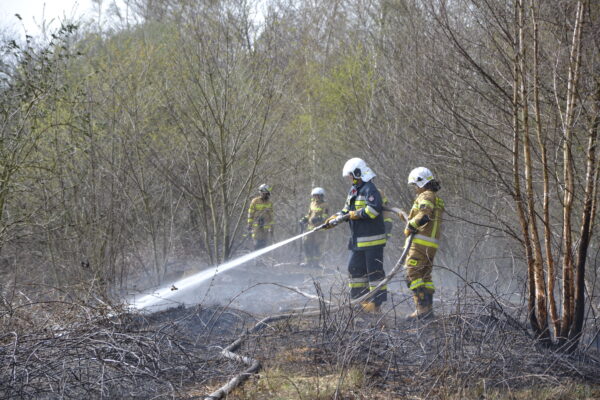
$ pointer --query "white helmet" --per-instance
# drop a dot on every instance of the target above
(318, 191)
(264, 188)
(420, 176)
(357, 168)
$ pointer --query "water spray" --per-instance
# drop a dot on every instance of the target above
(172, 289)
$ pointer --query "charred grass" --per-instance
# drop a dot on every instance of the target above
(51, 350)
(60, 350)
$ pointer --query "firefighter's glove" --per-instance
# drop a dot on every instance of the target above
(334, 220)
(327, 224)
(410, 229)
(354, 215)
(303, 221)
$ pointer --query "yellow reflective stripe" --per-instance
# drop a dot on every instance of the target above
(417, 283)
(426, 238)
(425, 243)
(413, 223)
(384, 287)
(357, 284)
(360, 203)
(388, 220)
(261, 206)
(373, 243)
(370, 238)
(371, 212)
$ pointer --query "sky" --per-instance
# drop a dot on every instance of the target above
(34, 12)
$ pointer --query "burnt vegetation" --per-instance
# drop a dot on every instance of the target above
(125, 356)
(481, 352)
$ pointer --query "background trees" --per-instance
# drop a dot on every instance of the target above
(128, 149)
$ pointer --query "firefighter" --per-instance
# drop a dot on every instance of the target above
(317, 213)
(363, 210)
(424, 222)
(260, 218)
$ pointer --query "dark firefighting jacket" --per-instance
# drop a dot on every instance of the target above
(368, 232)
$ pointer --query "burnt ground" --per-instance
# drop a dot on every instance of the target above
(474, 348)
(339, 354)
(131, 356)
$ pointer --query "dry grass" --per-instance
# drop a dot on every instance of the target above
(275, 383)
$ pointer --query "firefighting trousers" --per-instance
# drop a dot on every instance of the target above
(261, 238)
(418, 267)
(365, 268)
(312, 248)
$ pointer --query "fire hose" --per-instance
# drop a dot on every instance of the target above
(254, 365)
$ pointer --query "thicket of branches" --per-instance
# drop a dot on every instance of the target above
(125, 148)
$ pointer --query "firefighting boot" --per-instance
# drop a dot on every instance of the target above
(370, 308)
(423, 305)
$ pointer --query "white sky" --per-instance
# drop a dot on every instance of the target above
(34, 12)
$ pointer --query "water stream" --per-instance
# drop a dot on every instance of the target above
(193, 281)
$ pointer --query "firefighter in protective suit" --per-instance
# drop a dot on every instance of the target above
(260, 218)
(424, 221)
(363, 211)
(317, 214)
